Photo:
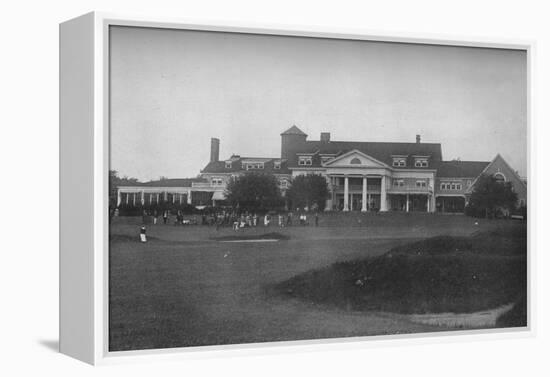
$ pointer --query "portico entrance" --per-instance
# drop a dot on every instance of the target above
(355, 201)
(353, 193)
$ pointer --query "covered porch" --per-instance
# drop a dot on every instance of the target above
(410, 202)
(450, 203)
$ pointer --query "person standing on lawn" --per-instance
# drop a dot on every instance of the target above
(142, 234)
(165, 216)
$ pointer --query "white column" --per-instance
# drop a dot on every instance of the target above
(142, 197)
(346, 194)
(407, 205)
(134, 199)
(127, 198)
(333, 191)
(428, 203)
(189, 197)
(364, 198)
(383, 203)
(158, 197)
(118, 197)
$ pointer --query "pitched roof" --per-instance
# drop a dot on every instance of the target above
(172, 182)
(294, 131)
(381, 151)
(461, 169)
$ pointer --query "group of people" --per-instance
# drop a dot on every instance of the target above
(247, 220)
(230, 218)
(157, 215)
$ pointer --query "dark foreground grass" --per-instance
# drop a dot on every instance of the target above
(440, 274)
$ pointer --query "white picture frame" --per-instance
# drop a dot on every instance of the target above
(84, 159)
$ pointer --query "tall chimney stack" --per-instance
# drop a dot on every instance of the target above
(214, 149)
(325, 137)
(418, 138)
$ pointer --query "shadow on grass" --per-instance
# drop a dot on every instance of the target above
(437, 275)
(245, 237)
(52, 345)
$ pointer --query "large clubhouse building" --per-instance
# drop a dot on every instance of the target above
(362, 176)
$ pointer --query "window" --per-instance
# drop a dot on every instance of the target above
(399, 162)
(451, 186)
(253, 165)
(398, 182)
(500, 178)
(421, 162)
(421, 184)
(228, 164)
(304, 161)
(216, 181)
(277, 165)
(355, 161)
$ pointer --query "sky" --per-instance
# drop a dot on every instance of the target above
(172, 90)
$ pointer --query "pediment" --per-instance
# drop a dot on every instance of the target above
(355, 158)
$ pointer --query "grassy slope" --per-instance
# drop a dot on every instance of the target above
(440, 274)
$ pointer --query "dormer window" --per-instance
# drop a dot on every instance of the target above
(421, 162)
(399, 162)
(277, 165)
(252, 165)
(304, 161)
(228, 164)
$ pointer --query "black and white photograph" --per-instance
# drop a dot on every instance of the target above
(271, 188)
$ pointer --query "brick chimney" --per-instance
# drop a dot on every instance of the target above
(214, 149)
(325, 137)
(418, 138)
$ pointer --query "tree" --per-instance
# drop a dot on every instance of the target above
(254, 192)
(308, 191)
(490, 195)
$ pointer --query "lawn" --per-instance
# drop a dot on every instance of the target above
(187, 288)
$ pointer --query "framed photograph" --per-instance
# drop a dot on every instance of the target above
(229, 187)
